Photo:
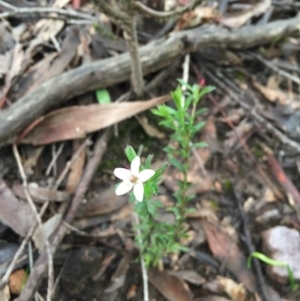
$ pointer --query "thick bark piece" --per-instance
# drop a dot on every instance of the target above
(154, 56)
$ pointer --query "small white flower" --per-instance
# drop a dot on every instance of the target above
(133, 178)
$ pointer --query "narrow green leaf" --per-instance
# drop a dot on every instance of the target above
(130, 153)
(148, 162)
(160, 171)
(199, 144)
(177, 164)
(183, 83)
(205, 90)
(201, 111)
(177, 97)
(198, 126)
(103, 96)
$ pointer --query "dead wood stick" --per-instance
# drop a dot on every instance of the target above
(37, 273)
(154, 56)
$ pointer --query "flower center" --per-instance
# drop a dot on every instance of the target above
(133, 179)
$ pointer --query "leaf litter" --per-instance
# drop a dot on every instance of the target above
(98, 257)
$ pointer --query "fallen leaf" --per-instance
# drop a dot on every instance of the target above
(46, 29)
(41, 194)
(4, 293)
(228, 252)
(75, 122)
(53, 64)
(14, 213)
(190, 276)
(105, 202)
(196, 17)
(31, 161)
(170, 285)
(16, 281)
(77, 167)
(148, 128)
(243, 17)
(42, 234)
(272, 94)
(234, 290)
(117, 279)
(239, 131)
(131, 292)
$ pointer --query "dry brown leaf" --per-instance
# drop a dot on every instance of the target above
(4, 293)
(170, 286)
(41, 194)
(76, 168)
(14, 213)
(191, 277)
(196, 17)
(46, 29)
(16, 281)
(274, 81)
(243, 17)
(77, 121)
(53, 64)
(32, 160)
(105, 202)
(241, 131)
(124, 214)
(117, 279)
(148, 128)
(272, 94)
(42, 234)
(228, 252)
(234, 290)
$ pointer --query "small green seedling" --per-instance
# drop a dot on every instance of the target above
(275, 263)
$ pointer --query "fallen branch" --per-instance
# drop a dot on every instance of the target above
(154, 56)
(48, 12)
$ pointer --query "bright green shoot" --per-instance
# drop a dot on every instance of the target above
(275, 263)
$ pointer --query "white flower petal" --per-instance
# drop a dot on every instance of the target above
(146, 174)
(122, 173)
(124, 187)
(138, 191)
(135, 165)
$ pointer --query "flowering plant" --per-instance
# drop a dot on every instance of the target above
(133, 178)
(155, 238)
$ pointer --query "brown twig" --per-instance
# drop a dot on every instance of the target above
(130, 35)
(281, 72)
(118, 15)
(48, 251)
(261, 280)
(126, 20)
(40, 266)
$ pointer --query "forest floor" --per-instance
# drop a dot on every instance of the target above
(68, 111)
